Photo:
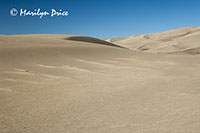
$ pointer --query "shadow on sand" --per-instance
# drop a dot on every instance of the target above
(92, 40)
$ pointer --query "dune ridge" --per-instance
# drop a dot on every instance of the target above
(182, 40)
(92, 40)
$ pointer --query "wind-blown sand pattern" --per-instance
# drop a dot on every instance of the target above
(52, 84)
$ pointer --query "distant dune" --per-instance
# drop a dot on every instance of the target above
(91, 40)
(182, 40)
(74, 84)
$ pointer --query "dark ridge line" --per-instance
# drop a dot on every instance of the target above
(92, 40)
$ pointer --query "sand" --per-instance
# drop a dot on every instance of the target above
(64, 83)
(179, 41)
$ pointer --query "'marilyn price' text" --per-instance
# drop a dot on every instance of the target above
(38, 12)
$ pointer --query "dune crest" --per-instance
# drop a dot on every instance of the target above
(182, 40)
(92, 40)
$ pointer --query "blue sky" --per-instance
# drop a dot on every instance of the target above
(100, 18)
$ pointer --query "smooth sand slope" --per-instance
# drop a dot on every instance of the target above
(179, 41)
(58, 83)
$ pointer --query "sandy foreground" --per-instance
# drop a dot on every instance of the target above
(52, 84)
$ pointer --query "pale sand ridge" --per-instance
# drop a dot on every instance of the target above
(182, 40)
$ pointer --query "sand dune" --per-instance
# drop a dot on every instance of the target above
(183, 40)
(65, 83)
(91, 40)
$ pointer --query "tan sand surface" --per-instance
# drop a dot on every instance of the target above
(74, 84)
(179, 41)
